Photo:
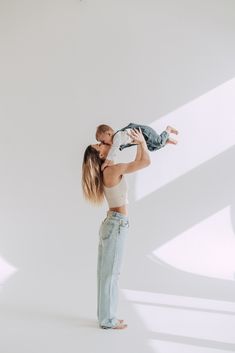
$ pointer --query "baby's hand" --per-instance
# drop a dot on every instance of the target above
(106, 163)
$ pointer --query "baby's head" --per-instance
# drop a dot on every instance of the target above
(104, 134)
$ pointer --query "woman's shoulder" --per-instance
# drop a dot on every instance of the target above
(115, 169)
(112, 175)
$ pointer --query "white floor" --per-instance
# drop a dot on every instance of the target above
(158, 323)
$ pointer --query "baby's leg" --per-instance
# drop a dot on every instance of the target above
(171, 129)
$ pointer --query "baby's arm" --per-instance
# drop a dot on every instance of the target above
(113, 151)
(118, 139)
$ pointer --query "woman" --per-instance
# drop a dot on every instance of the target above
(111, 185)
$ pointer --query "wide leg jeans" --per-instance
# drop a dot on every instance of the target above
(112, 236)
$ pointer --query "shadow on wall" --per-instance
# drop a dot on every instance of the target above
(178, 309)
(172, 210)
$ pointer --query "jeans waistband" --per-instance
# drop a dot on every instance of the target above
(117, 215)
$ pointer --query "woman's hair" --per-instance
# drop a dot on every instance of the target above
(102, 129)
(92, 177)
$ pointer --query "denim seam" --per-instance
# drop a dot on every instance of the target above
(101, 264)
(111, 281)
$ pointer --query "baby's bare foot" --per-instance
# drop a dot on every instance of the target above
(172, 141)
(172, 129)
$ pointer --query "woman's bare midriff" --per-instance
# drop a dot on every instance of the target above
(121, 209)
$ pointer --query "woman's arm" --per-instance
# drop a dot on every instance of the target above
(138, 153)
(138, 150)
(142, 159)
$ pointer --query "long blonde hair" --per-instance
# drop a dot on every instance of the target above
(92, 176)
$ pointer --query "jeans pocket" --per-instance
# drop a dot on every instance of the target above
(124, 223)
(107, 229)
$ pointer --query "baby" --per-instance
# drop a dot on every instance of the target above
(122, 139)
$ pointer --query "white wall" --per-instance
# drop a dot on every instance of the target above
(67, 66)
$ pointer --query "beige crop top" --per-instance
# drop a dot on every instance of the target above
(116, 196)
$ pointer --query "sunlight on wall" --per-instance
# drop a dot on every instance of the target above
(206, 128)
(6, 271)
(207, 249)
(198, 324)
(184, 324)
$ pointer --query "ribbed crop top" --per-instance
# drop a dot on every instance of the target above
(116, 196)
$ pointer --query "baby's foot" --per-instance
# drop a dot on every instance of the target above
(172, 141)
(172, 129)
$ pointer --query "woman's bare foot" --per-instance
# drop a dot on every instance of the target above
(172, 141)
(120, 326)
(172, 129)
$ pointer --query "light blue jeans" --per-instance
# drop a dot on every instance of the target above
(112, 235)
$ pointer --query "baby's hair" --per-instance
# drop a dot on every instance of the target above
(102, 129)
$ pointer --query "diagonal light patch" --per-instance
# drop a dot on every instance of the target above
(197, 325)
(206, 128)
(188, 345)
(207, 249)
(6, 271)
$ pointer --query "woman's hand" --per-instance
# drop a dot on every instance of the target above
(137, 136)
